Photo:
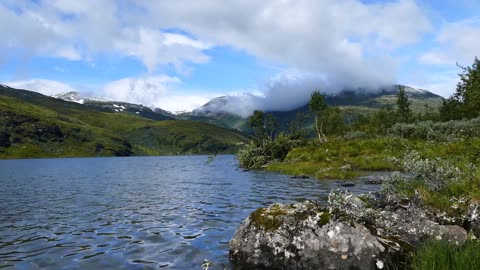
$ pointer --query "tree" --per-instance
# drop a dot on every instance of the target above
(271, 125)
(429, 113)
(257, 123)
(318, 106)
(333, 122)
(451, 109)
(468, 90)
(403, 106)
(383, 119)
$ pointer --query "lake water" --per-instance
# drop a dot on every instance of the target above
(133, 213)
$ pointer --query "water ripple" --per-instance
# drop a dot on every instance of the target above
(133, 213)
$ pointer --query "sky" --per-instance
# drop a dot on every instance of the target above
(177, 55)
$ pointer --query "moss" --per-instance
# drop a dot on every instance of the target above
(324, 218)
(268, 218)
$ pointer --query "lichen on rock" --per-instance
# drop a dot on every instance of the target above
(348, 233)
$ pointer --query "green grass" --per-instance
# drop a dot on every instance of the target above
(441, 255)
(324, 161)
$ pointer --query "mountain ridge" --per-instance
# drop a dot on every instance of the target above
(35, 125)
(360, 101)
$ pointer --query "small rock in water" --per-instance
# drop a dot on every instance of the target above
(347, 185)
(301, 176)
(374, 181)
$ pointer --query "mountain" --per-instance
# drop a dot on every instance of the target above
(358, 101)
(116, 106)
(34, 125)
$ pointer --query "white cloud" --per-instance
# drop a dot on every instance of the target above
(347, 41)
(155, 48)
(154, 91)
(46, 87)
(80, 30)
(456, 42)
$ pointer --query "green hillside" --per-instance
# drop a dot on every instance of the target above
(33, 125)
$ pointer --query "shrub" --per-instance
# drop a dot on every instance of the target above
(258, 153)
(436, 174)
(455, 129)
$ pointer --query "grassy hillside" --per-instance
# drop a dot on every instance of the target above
(177, 137)
(33, 125)
(32, 131)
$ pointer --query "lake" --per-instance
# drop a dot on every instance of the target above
(136, 212)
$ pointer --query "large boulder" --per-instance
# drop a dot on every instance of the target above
(353, 236)
(303, 236)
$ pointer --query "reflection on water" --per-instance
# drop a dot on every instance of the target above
(133, 213)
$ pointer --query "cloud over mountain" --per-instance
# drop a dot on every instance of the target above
(318, 44)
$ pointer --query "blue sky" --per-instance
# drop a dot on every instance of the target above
(179, 54)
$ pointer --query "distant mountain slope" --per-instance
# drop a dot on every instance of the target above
(359, 101)
(34, 125)
(28, 130)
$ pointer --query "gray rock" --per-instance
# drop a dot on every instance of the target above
(302, 236)
(474, 218)
(346, 235)
(347, 167)
(347, 184)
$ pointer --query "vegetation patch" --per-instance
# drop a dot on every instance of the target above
(443, 255)
(268, 218)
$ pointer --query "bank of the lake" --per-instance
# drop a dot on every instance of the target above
(426, 217)
(342, 158)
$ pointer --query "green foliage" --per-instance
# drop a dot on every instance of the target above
(429, 113)
(258, 153)
(382, 120)
(442, 255)
(468, 89)
(445, 185)
(438, 131)
(257, 123)
(328, 160)
(333, 123)
(451, 109)
(404, 112)
(318, 105)
(466, 100)
(271, 125)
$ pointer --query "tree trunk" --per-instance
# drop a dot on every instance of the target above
(321, 136)
(321, 131)
(317, 129)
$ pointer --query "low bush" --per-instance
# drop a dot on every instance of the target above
(439, 131)
(259, 152)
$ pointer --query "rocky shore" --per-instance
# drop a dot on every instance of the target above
(349, 232)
